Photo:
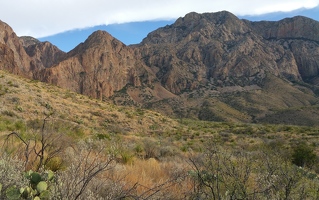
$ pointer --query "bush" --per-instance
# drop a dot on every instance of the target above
(10, 174)
(303, 155)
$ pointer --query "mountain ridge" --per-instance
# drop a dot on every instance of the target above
(206, 56)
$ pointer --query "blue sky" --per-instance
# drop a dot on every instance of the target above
(134, 32)
(128, 33)
(66, 23)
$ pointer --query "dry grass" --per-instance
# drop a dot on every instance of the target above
(28, 100)
(151, 175)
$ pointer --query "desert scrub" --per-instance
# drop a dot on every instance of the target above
(10, 174)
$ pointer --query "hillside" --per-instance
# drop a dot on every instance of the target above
(24, 100)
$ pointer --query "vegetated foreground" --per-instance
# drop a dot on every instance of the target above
(57, 144)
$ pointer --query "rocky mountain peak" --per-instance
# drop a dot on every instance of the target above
(222, 25)
(21, 62)
(28, 40)
(218, 49)
(98, 67)
(98, 39)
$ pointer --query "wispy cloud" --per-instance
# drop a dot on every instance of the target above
(41, 18)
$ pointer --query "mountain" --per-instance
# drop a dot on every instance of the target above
(26, 56)
(223, 66)
(13, 56)
(220, 50)
(210, 66)
(98, 67)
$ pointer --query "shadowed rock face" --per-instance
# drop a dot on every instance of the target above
(44, 55)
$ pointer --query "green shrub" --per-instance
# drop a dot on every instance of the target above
(103, 136)
(126, 157)
(303, 155)
(55, 164)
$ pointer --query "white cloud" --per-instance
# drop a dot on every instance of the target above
(41, 18)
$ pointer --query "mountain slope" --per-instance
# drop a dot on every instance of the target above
(13, 52)
(26, 100)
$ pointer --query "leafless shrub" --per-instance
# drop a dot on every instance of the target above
(40, 146)
(10, 173)
(87, 162)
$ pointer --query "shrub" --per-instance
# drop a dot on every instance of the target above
(151, 149)
(303, 155)
(10, 174)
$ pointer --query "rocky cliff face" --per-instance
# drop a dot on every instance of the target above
(218, 49)
(7, 61)
(98, 67)
(43, 55)
(298, 35)
(289, 28)
(26, 56)
(19, 61)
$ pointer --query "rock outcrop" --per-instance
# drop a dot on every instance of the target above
(290, 28)
(11, 42)
(26, 56)
(98, 67)
(44, 55)
(298, 35)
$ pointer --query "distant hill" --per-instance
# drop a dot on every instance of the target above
(210, 66)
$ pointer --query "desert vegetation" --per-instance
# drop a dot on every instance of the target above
(231, 161)
(56, 144)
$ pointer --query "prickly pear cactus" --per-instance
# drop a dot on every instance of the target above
(35, 178)
(37, 189)
(13, 193)
(41, 186)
